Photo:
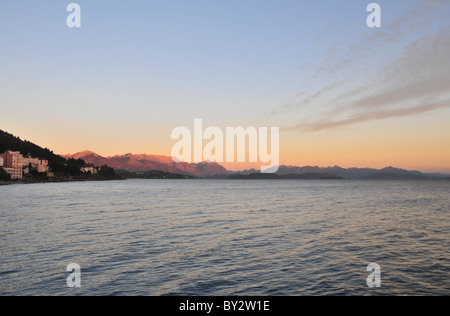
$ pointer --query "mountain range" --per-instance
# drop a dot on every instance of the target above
(145, 163)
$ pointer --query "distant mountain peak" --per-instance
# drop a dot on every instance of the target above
(88, 152)
(81, 154)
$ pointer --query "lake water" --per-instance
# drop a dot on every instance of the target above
(225, 237)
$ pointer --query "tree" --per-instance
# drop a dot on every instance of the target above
(4, 175)
(107, 172)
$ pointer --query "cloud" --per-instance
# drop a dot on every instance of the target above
(423, 70)
(330, 123)
(414, 81)
(416, 17)
(302, 99)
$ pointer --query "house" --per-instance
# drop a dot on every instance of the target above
(12, 163)
(89, 169)
(38, 164)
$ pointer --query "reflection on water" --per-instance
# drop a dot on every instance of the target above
(214, 237)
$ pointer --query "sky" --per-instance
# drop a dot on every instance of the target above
(340, 92)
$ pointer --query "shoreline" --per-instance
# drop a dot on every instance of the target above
(2, 183)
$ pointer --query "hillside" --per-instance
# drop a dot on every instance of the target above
(11, 142)
(57, 163)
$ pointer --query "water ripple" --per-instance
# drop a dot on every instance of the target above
(225, 237)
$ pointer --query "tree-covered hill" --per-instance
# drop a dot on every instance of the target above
(57, 163)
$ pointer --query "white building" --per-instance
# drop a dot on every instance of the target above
(89, 169)
(40, 165)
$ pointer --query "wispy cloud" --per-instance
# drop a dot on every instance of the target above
(302, 99)
(329, 123)
(415, 17)
(415, 82)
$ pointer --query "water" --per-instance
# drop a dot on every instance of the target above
(214, 237)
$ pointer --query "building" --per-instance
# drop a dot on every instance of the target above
(40, 165)
(89, 169)
(1, 161)
(12, 163)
